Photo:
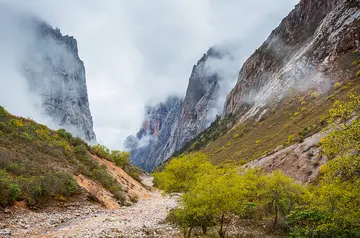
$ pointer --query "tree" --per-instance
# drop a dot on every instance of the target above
(182, 172)
(120, 158)
(334, 209)
(280, 193)
(219, 194)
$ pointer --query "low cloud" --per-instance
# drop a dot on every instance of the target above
(16, 40)
(141, 51)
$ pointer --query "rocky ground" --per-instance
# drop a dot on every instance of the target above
(80, 218)
(144, 218)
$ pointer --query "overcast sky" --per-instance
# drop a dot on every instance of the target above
(141, 51)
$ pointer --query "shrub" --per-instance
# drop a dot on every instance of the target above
(101, 175)
(101, 151)
(5, 128)
(248, 210)
(87, 164)
(5, 191)
(337, 85)
(134, 198)
(290, 139)
(59, 184)
(16, 168)
(16, 123)
(76, 141)
(304, 132)
(64, 134)
(3, 113)
(314, 94)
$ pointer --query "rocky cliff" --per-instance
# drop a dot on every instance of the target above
(56, 74)
(311, 49)
(200, 101)
(148, 145)
(170, 125)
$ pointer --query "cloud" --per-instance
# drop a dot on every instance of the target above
(15, 39)
(140, 51)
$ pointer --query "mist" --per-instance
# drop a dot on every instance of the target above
(16, 39)
(140, 52)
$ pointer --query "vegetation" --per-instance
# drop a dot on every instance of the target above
(121, 159)
(38, 164)
(237, 142)
(215, 195)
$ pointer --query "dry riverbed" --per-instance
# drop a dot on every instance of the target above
(143, 219)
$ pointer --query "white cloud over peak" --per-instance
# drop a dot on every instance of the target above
(142, 51)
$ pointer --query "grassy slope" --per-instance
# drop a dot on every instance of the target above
(297, 116)
(250, 140)
(37, 164)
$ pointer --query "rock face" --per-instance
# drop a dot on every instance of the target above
(200, 103)
(170, 125)
(312, 47)
(147, 146)
(56, 74)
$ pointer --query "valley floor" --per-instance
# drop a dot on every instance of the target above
(144, 218)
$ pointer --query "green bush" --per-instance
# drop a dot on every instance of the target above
(64, 134)
(6, 197)
(3, 113)
(337, 85)
(59, 184)
(101, 175)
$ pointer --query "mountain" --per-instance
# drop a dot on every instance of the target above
(56, 74)
(305, 56)
(147, 146)
(276, 114)
(311, 48)
(170, 125)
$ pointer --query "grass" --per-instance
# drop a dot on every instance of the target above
(38, 164)
(285, 125)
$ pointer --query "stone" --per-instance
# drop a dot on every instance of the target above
(56, 75)
(302, 53)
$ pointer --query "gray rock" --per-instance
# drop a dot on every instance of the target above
(57, 75)
(303, 53)
(170, 125)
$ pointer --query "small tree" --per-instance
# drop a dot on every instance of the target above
(181, 173)
(219, 194)
(280, 193)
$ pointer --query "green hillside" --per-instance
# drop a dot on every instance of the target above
(37, 164)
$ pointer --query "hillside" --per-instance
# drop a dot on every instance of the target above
(40, 166)
(287, 86)
(53, 184)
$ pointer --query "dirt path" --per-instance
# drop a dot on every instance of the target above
(143, 219)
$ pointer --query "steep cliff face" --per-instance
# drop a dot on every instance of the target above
(201, 98)
(311, 48)
(57, 75)
(172, 124)
(147, 146)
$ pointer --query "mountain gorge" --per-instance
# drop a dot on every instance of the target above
(311, 50)
(170, 125)
(269, 148)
